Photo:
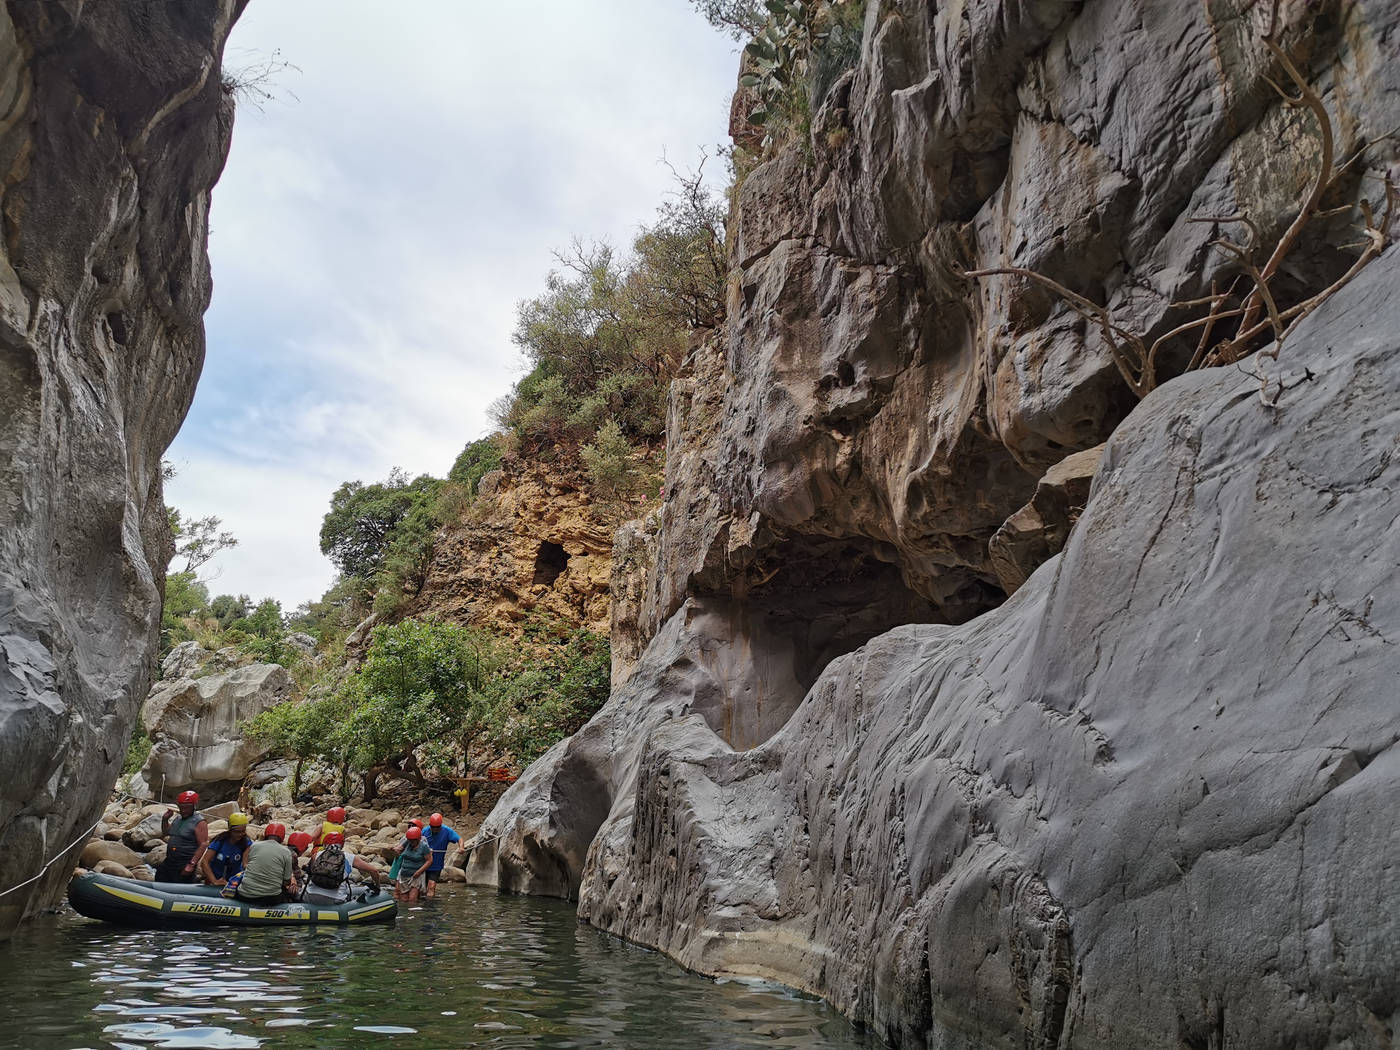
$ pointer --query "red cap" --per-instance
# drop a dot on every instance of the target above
(414, 834)
(187, 797)
(417, 822)
(435, 820)
(336, 814)
(333, 837)
(275, 831)
(299, 840)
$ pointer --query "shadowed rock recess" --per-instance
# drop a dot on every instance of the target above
(1148, 800)
(114, 126)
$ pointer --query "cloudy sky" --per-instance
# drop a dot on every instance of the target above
(381, 216)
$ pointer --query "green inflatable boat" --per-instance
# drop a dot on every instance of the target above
(136, 903)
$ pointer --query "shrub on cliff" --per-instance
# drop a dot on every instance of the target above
(357, 529)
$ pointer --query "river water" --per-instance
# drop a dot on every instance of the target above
(470, 969)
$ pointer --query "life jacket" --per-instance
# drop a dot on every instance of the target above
(327, 868)
(225, 855)
(182, 836)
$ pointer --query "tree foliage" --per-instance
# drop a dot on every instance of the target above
(610, 331)
(356, 531)
(198, 540)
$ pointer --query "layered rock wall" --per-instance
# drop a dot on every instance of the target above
(114, 125)
(1136, 804)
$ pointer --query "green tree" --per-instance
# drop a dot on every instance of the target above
(198, 539)
(609, 462)
(226, 609)
(422, 681)
(548, 698)
(356, 530)
(185, 597)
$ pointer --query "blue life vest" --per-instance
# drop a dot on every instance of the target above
(225, 856)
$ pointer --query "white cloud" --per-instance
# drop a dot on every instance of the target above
(372, 237)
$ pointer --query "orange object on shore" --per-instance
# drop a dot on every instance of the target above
(500, 775)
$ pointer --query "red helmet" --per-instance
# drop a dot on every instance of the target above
(417, 822)
(435, 820)
(413, 834)
(299, 840)
(333, 837)
(275, 831)
(190, 797)
(336, 814)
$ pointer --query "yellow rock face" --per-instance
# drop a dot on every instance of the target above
(532, 544)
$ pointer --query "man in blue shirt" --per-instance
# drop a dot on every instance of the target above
(439, 837)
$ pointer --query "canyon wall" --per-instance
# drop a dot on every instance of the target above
(114, 126)
(1140, 803)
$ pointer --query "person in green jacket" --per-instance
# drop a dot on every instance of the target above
(415, 860)
(269, 877)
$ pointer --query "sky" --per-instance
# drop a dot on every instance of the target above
(380, 217)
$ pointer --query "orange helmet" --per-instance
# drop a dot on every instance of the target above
(336, 814)
(417, 822)
(336, 838)
(275, 831)
(187, 798)
(413, 834)
(299, 840)
(435, 820)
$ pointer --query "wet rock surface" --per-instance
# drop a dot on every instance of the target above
(1134, 805)
(107, 158)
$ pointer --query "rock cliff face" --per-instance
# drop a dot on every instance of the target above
(113, 128)
(1139, 803)
(532, 543)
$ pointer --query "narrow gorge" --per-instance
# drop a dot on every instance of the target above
(1009, 657)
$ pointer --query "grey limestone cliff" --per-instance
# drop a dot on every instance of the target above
(114, 125)
(1143, 801)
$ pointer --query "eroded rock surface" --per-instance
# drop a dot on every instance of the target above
(531, 544)
(195, 726)
(114, 126)
(1136, 804)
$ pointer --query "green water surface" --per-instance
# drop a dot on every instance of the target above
(470, 969)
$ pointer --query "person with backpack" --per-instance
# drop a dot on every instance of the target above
(438, 836)
(188, 836)
(328, 872)
(227, 853)
(403, 845)
(415, 861)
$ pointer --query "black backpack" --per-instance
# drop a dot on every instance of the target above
(327, 868)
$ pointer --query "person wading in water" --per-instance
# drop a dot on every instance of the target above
(188, 839)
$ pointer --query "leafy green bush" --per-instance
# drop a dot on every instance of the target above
(477, 460)
(552, 697)
(137, 749)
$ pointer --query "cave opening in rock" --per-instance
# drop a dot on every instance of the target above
(802, 605)
(549, 563)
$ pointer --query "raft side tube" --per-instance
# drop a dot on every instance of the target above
(132, 902)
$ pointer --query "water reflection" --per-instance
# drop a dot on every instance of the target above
(471, 969)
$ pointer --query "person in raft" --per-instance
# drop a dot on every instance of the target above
(227, 853)
(413, 869)
(268, 879)
(299, 842)
(333, 824)
(328, 874)
(188, 837)
(438, 836)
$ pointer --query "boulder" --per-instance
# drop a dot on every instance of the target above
(113, 834)
(301, 642)
(453, 874)
(220, 811)
(111, 867)
(156, 854)
(107, 160)
(1036, 532)
(390, 818)
(268, 771)
(183, 660)
(102, 849)
(148, 827)
(143, 872)
(194, 725)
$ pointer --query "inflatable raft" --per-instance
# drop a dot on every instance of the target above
(136, 903)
